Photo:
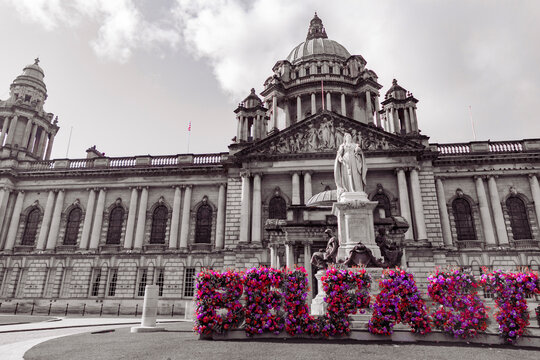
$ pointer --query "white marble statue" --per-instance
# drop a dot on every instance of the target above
(350, 167)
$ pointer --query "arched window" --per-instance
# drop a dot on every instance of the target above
(383, 207)
(31, 226)
(518, 218)
(277, 208)
(463, 219)
(116, 219)
(72, 227)
(159, 225)
(203, 225)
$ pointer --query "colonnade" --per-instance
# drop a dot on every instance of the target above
(493, 227)
(92, 225)
(35, 138)
(394, 123)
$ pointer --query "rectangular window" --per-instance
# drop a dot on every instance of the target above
(307, 71)
(112, 282)
(95, 282)
(319, 69)
(160, 280)
(189, 282)
(142, 282)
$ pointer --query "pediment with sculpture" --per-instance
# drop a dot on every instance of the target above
(323, 133)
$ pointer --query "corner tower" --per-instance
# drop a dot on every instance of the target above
(399, 110)
(27, 130)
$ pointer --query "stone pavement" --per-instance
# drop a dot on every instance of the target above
(16, 339)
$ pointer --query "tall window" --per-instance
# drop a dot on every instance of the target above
(518, 218)
(464, 219)
(203, 225)
(189, 282)
(277, 208)
(159, 225)
(142, 282)
(383, 207)
(95, 282)
(72, 227)
(116, 219)
(160, 281)
(30, 228)
(113, 281)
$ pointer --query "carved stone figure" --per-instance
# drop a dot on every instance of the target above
(323, 257)
(361, 255)
(350, 167)
(390, 251)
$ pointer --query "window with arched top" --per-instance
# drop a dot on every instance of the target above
(464, 219)
(277, 208)
(116, 219)
(519, 220)
(203, 224)
(383, 206)
(159, 225)
(31, 227)
(72, 227)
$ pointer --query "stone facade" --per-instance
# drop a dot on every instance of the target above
(248, 206)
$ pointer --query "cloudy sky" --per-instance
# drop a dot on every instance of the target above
(129, 75)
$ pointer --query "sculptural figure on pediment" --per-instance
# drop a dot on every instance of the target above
(313, 138)
(325, 135)
(350, 167)
(340, 131)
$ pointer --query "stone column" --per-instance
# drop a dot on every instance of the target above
(299, 116)
(98, 220)
(41, 147)
(535, 190)
(175, 219)
(46, 222)
(27, 132)
(289, 254)
(245, 212)
(328, 101)
(257, 210)
(33, 138)
(141, 219)
(55, 223)
(397, 124)
(49, 147)
(132, 213)
(484, 212)
(12, 129)
(150, 309)
(239, 129)
(295, 189)
(186, 212)
(4, 197)
(87, 225)
(377, 115)
(4, 130)
(369, 108)
(308, 192)
(220, 222)
(443, 211)
(287, 114)
(307, 266)
(343, 105)
(407, 121)
(313, 104)
(404, 201)
(14, 223)
(356, 108)
(418, 206)
(414, 126)
(500, 226)
(274, 112)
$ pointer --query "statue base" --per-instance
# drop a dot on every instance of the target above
(318, 305)
(354, 214)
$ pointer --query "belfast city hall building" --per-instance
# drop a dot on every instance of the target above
(98, 229)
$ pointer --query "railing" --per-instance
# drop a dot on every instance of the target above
(505, 146)
(124, 162)
(450, 149)
(526, 244)
(164, 160)
(207, 159)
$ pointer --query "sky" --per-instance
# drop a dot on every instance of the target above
(129, 75)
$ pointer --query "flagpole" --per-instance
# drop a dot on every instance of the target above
(472, 123)
(188, 136)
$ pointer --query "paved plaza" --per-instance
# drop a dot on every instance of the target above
(110, 338)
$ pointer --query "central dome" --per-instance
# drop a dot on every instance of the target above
(317, 44)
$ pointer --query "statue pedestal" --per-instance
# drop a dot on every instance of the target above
(318, 305)
(354, 214)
